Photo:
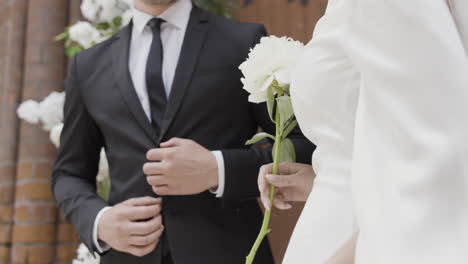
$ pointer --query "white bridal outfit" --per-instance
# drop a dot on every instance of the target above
(383, 92)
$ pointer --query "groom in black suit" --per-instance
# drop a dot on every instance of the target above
(164, 98)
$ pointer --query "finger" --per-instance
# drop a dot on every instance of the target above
(143, 201)
(155, 154)
(280, 203)
(162, 190)
(289, 168)
(279, 180)
(263, 185)
(145, 228)
(266, 202)
(146, 240)
(142, 251)
(173, 142)
(157, 180)
(264, 198)
(143, 212)
(154, 168)
(266, 169)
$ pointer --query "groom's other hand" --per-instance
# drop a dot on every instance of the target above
(181, 167)
(122, 226)
(294, 184)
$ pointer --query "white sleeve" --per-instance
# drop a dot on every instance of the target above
(410, 169)
(324, 92)
(100, 246)
(219, 191)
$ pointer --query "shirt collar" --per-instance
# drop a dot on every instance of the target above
(177, 15)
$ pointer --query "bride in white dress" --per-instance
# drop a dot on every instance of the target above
(383, 93)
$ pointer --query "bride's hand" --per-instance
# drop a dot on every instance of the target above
(294, 184)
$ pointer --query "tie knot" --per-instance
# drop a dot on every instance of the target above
(155, 24)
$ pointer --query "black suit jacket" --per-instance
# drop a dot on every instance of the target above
(207, 104)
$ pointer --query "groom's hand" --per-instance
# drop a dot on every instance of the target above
(125, 227)
(181, 167)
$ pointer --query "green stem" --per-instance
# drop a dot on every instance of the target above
(266, 218)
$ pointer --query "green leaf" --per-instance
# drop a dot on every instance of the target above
(68, 42)
(103, 189)
(117, 21)
(286, 110)
(73, 50)
(258, 137)
(103, 26)
(287, 151)
(61, 36)
(289, 128)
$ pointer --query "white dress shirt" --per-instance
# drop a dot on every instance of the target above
(382, 90)
(172, 36)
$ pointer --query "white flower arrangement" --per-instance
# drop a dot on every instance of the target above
(85, 257)
(29, 111)
(49, 112)
(84, 34)
(104, 19)
(55, 133)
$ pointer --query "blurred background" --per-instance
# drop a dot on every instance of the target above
(32, 65)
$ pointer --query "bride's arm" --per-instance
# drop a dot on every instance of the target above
(410, 183)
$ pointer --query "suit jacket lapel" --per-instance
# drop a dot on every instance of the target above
(120, 57)
(193, 42)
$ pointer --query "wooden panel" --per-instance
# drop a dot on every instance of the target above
(314, 11)
(74, 12)
(283, 18)
(282, 226)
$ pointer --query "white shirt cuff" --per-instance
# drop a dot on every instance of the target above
(219, 191)
(100, 245)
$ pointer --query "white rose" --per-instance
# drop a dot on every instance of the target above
(126, 17)
(85, 257)
(84, 34)
(110, 9)
(51, 110)
(272, 59)
(55, 134)
(103, 173)
(90, 9)
(29, 111)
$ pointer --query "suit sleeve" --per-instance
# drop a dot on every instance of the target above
(411, 139)
(242, 165)
(76, 166)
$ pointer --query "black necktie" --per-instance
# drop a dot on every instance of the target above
(154, 80)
